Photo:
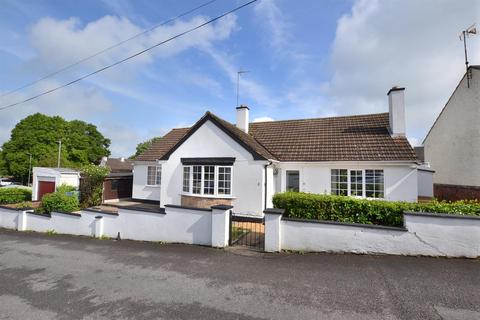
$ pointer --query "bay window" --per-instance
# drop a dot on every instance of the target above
(207, 180)
(154, 175)
(358, 183)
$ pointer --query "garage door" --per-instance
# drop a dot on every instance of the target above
(45, 187)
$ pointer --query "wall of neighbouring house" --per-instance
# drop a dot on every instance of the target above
(117, 188)
(450, 192)
(140, 190)
(210, 141)
(401, 182)
(453, 145)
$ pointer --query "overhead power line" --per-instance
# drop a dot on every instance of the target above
(29, 84)
(129, 57)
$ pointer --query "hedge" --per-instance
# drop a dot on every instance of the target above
(59, 201)
(14, 195)
(353, 210)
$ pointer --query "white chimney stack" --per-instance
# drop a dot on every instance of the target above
(242, 118)
(396, 109)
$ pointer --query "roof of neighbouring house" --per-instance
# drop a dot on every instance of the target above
(345, 138)
(118, 164)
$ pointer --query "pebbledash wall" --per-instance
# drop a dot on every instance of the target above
(423, 234)
(176, 224)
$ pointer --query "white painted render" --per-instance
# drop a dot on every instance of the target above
(400, 179)
(243, 118)
(140, 189)
(433, 235)
(53, 175)
(425, 183)
(178, 225)
(210, 141)
(452, 147)
(396, 110)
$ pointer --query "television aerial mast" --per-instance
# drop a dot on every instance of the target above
(470, 31)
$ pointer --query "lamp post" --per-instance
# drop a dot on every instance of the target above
(29, 168)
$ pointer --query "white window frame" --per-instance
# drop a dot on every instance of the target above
(158, 169)
(349, 182)
(202, 185)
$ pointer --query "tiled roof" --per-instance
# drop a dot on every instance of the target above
(119, 165)
(163, 145)
(348, 138)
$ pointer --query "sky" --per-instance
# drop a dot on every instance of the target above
(306, 59)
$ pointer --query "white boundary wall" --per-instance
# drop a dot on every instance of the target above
(424, 234)
(176, 224)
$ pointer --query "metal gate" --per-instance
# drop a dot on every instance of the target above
(247, 231)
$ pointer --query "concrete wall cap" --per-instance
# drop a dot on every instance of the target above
(221, 207)
(274, 211)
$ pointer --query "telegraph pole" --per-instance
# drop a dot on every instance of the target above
(29, 168)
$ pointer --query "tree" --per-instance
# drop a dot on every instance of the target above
(143, 146)
(39, 134)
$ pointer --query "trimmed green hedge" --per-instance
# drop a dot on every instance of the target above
(353, 210)
(59, 201)
(14, 195)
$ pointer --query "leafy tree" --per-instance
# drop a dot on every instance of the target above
(143, 146)
(39, 134)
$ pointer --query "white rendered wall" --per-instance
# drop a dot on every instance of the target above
(453, 145)
(425, 183)
(140, 190)
(400, 180)
(8, 218)
(424, 235)
(51, 175)
(210, 141)
(178, 225)
(70, 180)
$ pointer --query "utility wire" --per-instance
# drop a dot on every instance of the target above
(129, 57)
(29, 84)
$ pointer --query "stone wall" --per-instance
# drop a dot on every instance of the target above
(203, 202)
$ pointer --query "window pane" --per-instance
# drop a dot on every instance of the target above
(374, 184)
(186, 179)
(224, 180)
(197, 179)
(339, 182)
(293, 181)
(356, 183)
(208, 180)
(158, 179)
(151, 175)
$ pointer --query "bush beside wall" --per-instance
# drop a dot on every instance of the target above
(59, 201)
(15, 195)
(353, 210)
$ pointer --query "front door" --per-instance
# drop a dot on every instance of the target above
(45, 187)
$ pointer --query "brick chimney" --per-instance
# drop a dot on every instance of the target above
(396, 110)
(242, 118)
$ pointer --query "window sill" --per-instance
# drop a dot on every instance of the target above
(211, 196)
(152, 185)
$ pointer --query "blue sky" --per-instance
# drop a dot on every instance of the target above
(306, 59)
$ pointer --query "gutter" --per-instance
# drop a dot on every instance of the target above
(266, 179)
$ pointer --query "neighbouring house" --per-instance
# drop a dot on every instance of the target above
(452, 146)
(118, 183)
(244, 165)
(46, 180)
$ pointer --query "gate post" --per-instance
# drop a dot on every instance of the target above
(98, 226)
(220, 225)
(273, 229)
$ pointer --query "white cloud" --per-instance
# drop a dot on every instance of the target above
(408, 43)
(262, 119)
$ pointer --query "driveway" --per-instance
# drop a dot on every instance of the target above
(64, 277)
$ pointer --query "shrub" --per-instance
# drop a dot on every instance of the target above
(59, 201)
(14, 195)
(353, 210)
(66, 188)
(91, 186)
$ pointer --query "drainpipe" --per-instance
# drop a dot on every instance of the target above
(265, 200)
